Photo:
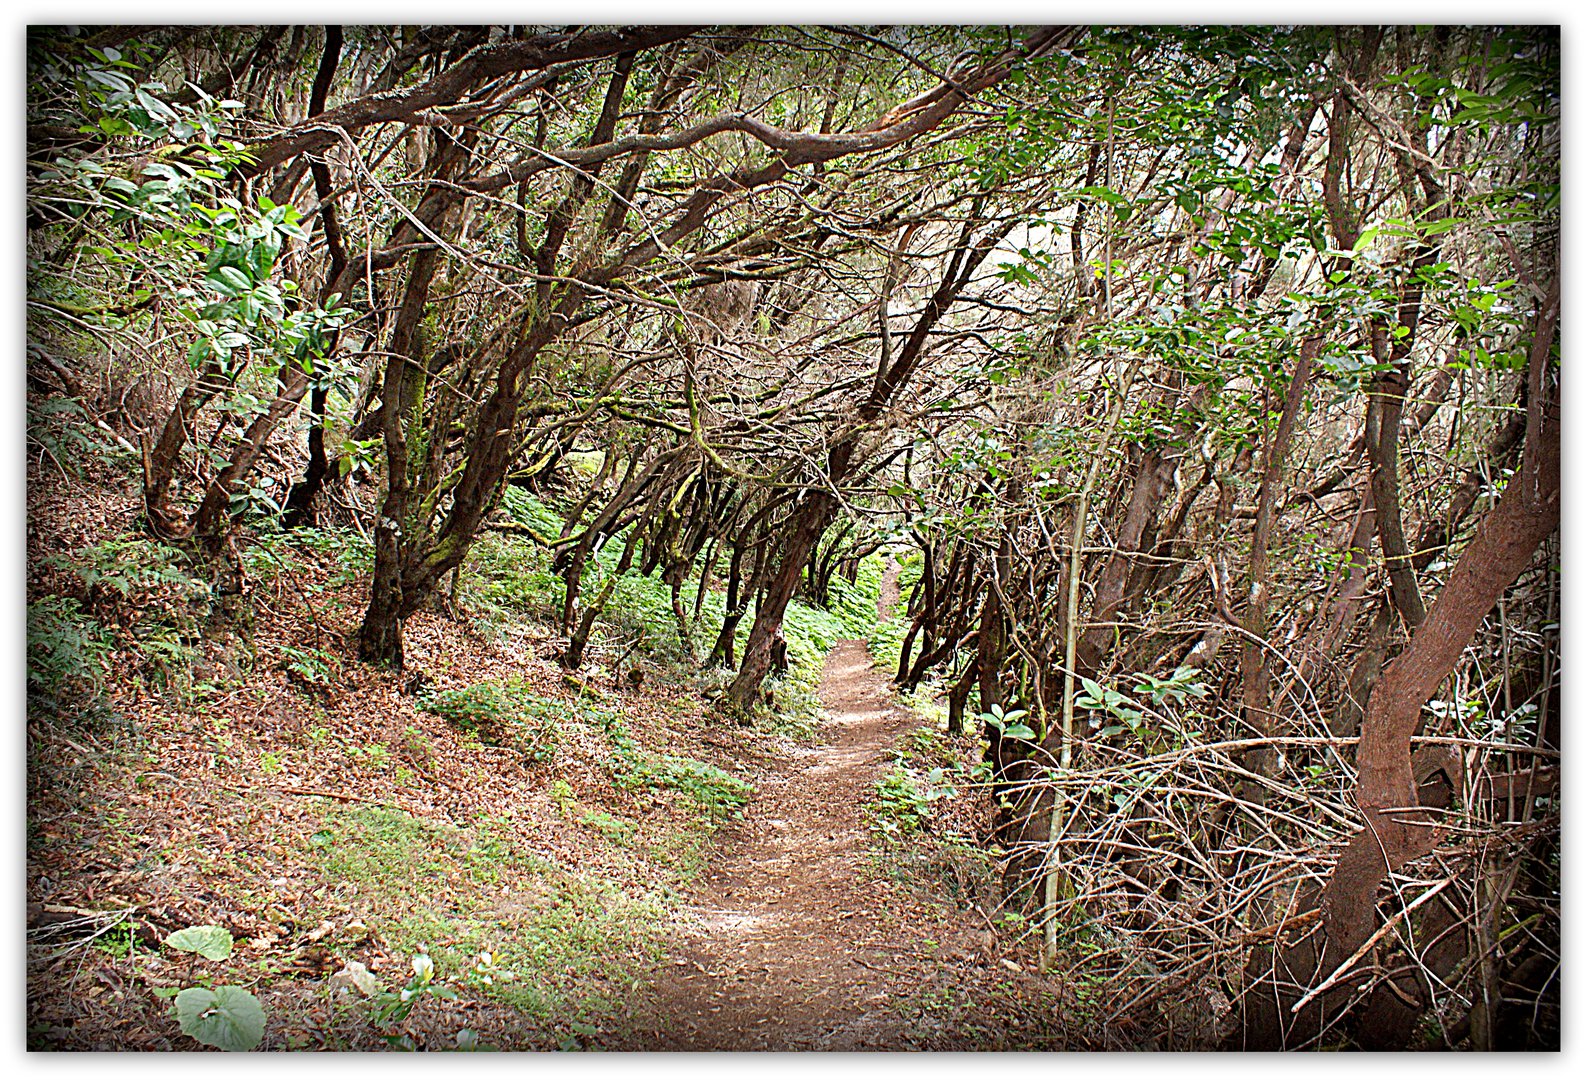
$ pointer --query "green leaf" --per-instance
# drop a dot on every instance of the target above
(263, 257)
(210, 942)
(156, 108)
(1018, 731)
(227, 1017)
(228, 281)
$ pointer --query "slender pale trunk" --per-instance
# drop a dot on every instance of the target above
(1077, 539)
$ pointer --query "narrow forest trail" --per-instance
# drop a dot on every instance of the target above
(795, 940)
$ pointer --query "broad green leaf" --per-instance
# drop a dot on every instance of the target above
(263, 257)
(228, 281)
(210, 942)
(227, 1017)
(156, 108)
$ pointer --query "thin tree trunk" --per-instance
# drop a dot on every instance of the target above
(1255, 674)
(380, 636)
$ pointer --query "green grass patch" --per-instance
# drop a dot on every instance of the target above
(502, 714)
(561, 944)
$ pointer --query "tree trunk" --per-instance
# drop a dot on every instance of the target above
(380, 636)
(722, 649)
(1397, 829)
(810, 521)
(299, 505)
(1255, 675)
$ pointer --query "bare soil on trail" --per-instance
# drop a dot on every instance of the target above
(797, 939)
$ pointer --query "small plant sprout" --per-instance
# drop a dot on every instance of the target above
(397, 1007)
(1009, 724)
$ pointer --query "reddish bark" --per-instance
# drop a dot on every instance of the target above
(1254, 672)
(1397, 829)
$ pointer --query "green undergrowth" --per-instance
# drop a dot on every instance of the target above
(144, 608)
(712, 790)
(921, 818)
(128, 601)
(500, 921)
(502, 714)
(508, 580)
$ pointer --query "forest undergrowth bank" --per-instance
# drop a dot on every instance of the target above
(524, 835)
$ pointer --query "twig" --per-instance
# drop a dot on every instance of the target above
(1366, 946)
(319, 792)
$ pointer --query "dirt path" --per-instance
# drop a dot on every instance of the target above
(794, 940)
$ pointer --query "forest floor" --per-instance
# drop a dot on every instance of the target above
(605, 865)
(796, 939)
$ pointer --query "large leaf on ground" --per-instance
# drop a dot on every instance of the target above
(227, 1017)
(210, 942)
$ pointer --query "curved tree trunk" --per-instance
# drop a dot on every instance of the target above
(1398, 828)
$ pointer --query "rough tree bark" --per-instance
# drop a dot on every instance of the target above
(1398, 829)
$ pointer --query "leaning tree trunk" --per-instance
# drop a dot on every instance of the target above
(809, 521)
(1397, 829)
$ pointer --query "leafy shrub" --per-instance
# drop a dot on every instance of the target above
(903, 801)
(393, 1007)
(506, 578)
(854, 602)
(167, 655)
(355, 557)
(145, 596)
(616, 829)
(472, 709)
